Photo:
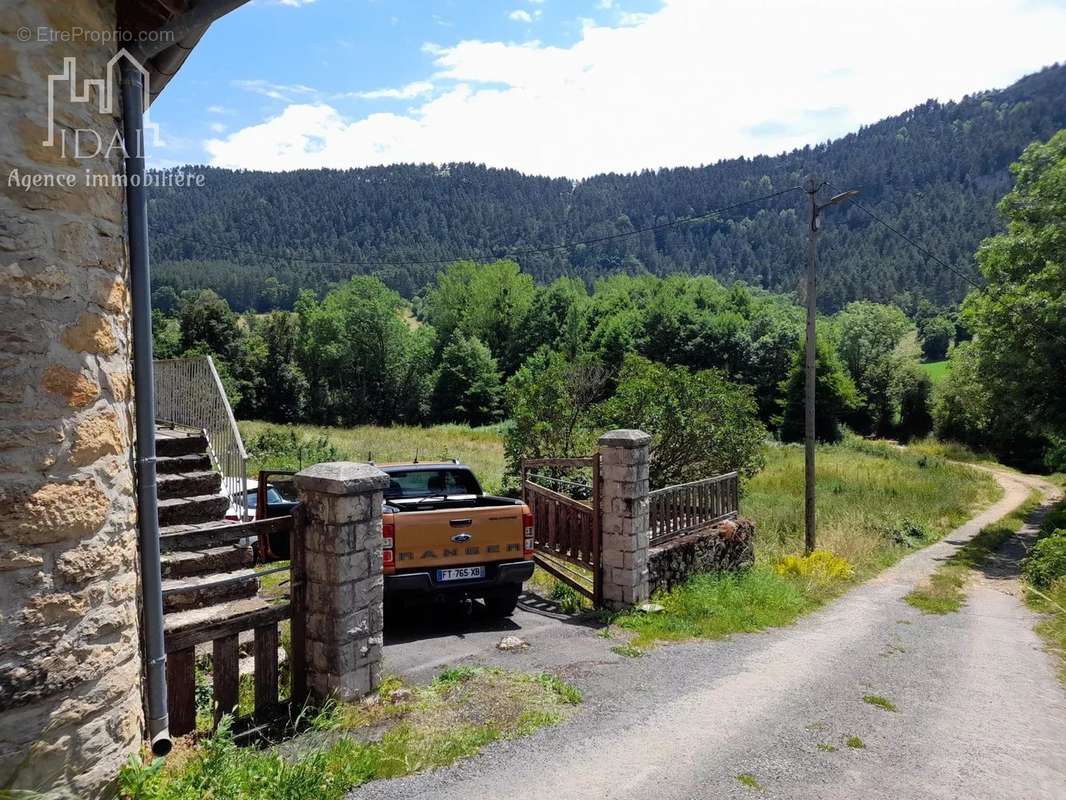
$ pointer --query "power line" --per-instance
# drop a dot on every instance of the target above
(507, 253)
(912, 243)
(996, 296)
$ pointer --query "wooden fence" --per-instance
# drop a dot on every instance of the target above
(677, 510)
(566, 531)
(224, 635)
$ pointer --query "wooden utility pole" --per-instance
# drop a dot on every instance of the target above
(811, 185)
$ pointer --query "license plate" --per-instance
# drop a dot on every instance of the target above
(460, 573)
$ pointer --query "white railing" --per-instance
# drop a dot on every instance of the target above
(188, 392)
(676, 510)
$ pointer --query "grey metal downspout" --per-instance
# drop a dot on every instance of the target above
(144, 408)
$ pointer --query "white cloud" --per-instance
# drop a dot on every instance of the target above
(217, 110)
(289, 92)
(605, 4)
(295, 3)
(520, 15)
(216, 127)
(689, 84)
(407, 92)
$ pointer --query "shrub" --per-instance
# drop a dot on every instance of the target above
(820, 567)
(907, 532)
(1047, 560)
(1055, 519)
(284, 448)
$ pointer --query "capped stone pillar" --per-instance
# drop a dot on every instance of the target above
(624, 508)
(340, 542)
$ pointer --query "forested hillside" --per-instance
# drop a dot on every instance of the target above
(935, 172)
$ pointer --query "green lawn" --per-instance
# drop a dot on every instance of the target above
(937, 370)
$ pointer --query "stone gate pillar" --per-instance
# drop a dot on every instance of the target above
(624, 508)
(341, 540)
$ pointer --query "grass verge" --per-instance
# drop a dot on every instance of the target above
(397, 732)
(945, 590)
(876, 504)
(1051, 603)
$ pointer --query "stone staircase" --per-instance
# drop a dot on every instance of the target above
(202, 566)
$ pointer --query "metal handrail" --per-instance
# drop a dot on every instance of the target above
(189, 392)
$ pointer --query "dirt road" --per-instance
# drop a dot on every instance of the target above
(979, 711)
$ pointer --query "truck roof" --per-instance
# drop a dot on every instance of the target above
(422, 465)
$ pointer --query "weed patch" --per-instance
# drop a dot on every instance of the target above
(627, 651)
(879, 701)
(749, 780)
(463, 710)
(855, 743)
(825, 747)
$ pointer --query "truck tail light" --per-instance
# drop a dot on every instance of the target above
(527, 533)
(388, 552)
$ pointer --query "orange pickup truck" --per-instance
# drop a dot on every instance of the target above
(445, 538)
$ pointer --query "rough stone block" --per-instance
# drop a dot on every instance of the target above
(341, 478)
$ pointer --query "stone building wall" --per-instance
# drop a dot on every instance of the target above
(70, 696)
(726, 547)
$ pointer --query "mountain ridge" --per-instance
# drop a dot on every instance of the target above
(934, 171)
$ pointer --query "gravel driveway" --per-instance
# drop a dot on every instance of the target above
(980, 713)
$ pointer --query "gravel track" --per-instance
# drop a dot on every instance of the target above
(980, 713)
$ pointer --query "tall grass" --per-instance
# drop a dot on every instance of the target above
(867, 492)
(480, 448)
(876, 503)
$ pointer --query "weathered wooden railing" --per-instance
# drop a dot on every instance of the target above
(687, 507)
(566, 530)
(223, 633)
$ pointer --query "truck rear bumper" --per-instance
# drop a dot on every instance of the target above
(510, 572)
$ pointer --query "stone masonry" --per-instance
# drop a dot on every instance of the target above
(341, 536)
(624, 509)
(726, 547)
(70, 669)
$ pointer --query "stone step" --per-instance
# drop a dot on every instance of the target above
(201, 591)
(213, 533)
(170, 442)
(194, 462)
(224, 558)
(188, 484)
(188, 510)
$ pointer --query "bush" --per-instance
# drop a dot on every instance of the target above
(1055, 519)
(907, 533)
(1047, 560)
(285, 449)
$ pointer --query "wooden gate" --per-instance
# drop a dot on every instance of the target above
(566, 529)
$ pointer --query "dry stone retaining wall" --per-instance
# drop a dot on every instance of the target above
(70, 701)
(728, 546)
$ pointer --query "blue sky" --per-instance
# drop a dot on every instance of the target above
(574, 87)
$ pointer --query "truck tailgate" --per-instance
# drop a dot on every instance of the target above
(457, 536)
